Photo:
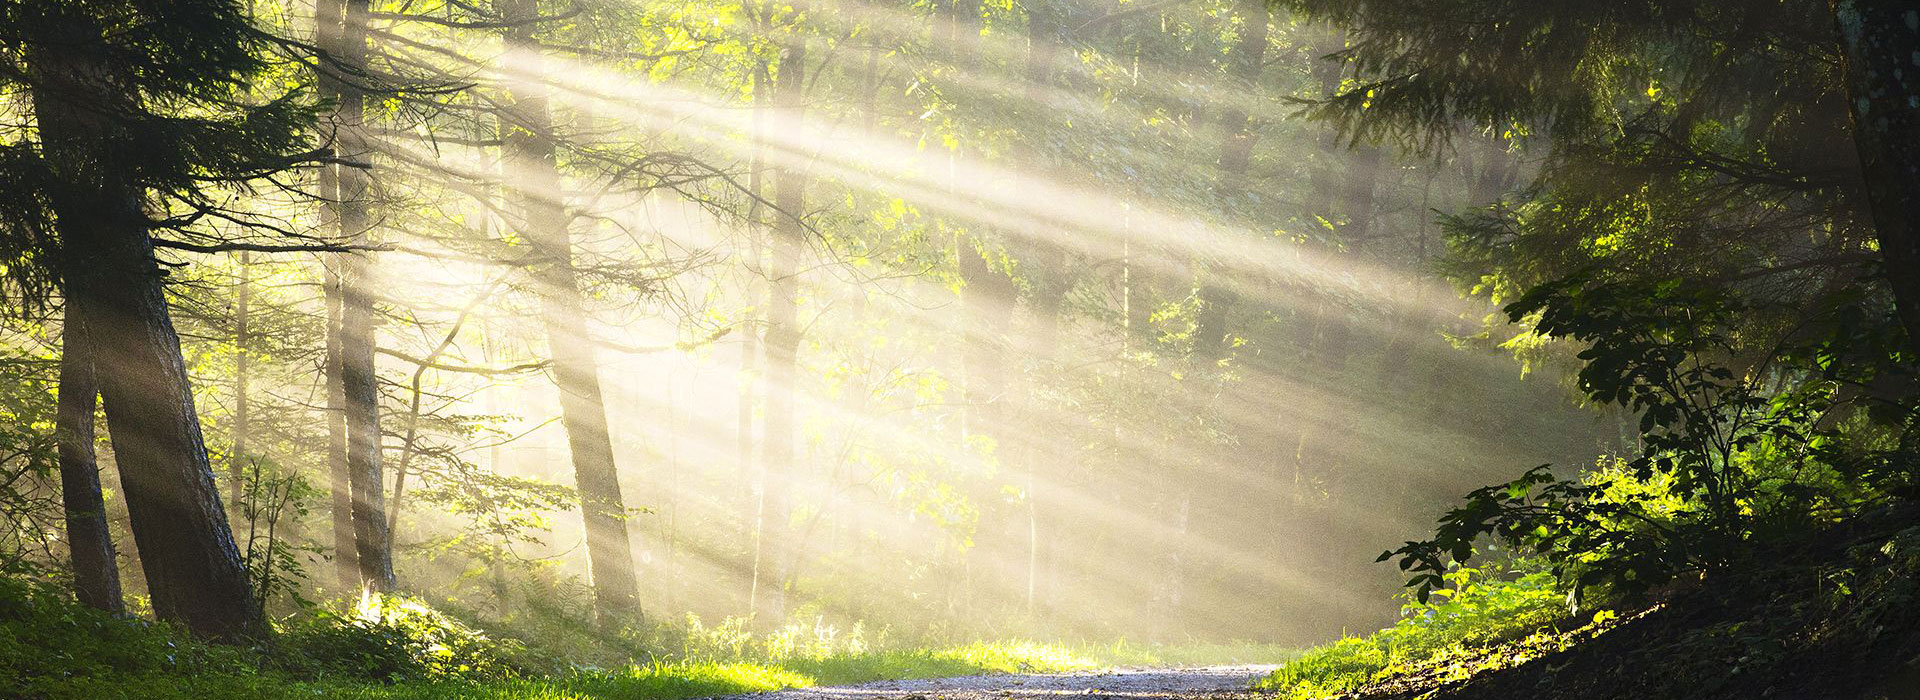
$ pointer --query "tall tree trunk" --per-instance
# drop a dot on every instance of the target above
(1236, 155)
(96, 571)
(237, 459)
(783, 337)
(359, 382)
(194, 572)
(1357, 204)
(328, 18)
(1881, 40)
(531, 150)
(346, 558)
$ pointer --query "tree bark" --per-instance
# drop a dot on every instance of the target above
(96, 571)
(1880, 40)
(531, 151)
(237, 460)
(359, 381)
(346, 557)
(328, 17)
(194, 571)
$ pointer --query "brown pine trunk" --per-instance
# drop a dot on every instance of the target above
(96, 571)
(359, 382)
(346, 558)
(237, 460)
(194, 572)
(327, 18)
(531, 151)
(1880, 40)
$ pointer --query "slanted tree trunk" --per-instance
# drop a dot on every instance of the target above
(96, 572)
(1881, 42)
(194, 572)
(531, 150)
(783, 340)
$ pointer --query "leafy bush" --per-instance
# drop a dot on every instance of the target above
(1728, 458)
(389, 639)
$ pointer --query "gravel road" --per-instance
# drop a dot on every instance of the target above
(1212, 683)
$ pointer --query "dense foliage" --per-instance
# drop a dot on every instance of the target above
(1698, 233)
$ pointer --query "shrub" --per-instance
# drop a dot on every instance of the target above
(50, 645)
(390, 639)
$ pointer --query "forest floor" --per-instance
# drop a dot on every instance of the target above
(1203, 683)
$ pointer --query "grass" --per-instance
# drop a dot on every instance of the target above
(666, 681)
(975, 658)
(660, 681)
(390, 648)
(1476, 614)
(401, 649)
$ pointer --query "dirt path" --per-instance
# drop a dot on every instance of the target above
(1210, 683)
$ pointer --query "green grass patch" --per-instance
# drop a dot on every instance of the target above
(655, 682)
(401, 649)
(660, 681)
(971, 659)
(1441, 636)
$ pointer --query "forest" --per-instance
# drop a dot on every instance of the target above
(659, 349)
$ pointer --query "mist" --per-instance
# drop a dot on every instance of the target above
(1063, 321)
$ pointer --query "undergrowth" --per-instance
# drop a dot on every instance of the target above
(1479, 609)
(392, 648)
(1829, 615)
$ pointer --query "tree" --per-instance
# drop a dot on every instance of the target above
(96, 572)
(1879, 43)
(1728, 282)
(328, 19)
(96, 72)
(353, 354)
(531, 153)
